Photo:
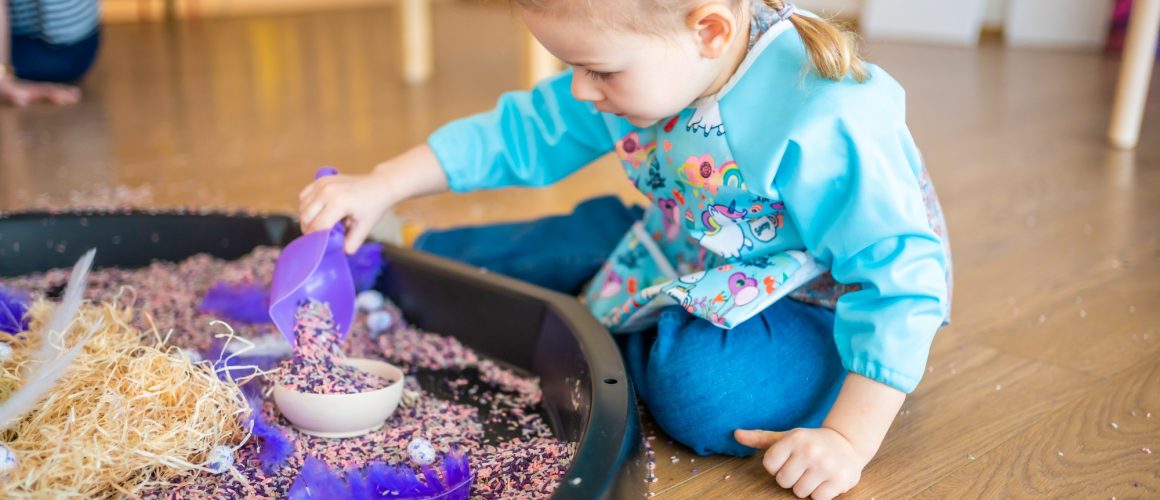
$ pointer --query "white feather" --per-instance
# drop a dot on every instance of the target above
(52, 359)
(52, 338)
(24, 400)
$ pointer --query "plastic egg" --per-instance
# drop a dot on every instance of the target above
(220, 459)
(191, 354)
(421, 451)
(5, 352)
(7, 459)
(369, 300)
(379, 321)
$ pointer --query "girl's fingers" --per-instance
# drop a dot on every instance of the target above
(827, 491)
(308, 191)
(308, 214)
(789, 474)
(327, 218)
(775, 458)
(317, 188)
(355, 235)
(808, 483)
(757, 439)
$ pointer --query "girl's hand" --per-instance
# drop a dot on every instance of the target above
(21, 93)
(360, 200)
(818, 463)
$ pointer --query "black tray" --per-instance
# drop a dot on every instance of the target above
(587, 397)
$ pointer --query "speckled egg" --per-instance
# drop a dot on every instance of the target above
(379, 322)
(220, 459)
(421, 451)
(7, 459)
(369, 300)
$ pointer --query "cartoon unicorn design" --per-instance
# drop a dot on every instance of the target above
(683, 295)
(724, 235)
(706, 119)
(672, 217)
(693, 278)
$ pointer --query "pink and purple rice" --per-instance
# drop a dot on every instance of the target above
(167, 295)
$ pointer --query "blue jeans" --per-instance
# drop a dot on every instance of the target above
(559, 253)
(39, 61)
(777, 371)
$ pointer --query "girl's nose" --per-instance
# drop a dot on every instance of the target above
(583, 89)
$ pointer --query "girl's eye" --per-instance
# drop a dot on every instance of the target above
(599, 76)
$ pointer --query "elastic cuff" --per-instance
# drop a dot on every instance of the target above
(878, 373)
(448, 151)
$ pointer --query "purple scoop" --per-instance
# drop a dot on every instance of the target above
(313, 266)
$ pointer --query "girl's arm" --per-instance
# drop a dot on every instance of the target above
(863, 413)
(531, 138)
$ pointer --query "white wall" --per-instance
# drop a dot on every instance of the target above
(840, 8)
(996, 9)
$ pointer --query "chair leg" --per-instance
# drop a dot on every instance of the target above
(1135, 74)
(418, 49)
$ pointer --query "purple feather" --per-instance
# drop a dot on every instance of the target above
(317, 481)
(380, 479)
(13, 310)
(450, 481)
(365, 265)
(357, 486)
(243, 302)
(456, 468)
(275, 447)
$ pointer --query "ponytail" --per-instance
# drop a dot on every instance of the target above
(833, 50)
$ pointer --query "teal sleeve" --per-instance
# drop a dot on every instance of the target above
(531, 138)
(855, 197)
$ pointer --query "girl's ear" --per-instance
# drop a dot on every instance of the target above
(715, 26)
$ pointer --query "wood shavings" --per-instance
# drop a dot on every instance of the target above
(124, 418)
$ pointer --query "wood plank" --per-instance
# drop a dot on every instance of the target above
(1104, 444)
(676, 464)
(1006, 394)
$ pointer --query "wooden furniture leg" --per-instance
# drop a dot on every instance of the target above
(418, 48)
(1135, 74)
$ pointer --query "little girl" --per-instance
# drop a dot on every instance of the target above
(790, 272)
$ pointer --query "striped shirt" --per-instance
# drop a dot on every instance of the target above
(59, 22)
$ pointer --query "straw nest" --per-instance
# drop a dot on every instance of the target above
(129, 415)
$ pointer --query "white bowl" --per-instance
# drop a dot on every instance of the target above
(343, 415)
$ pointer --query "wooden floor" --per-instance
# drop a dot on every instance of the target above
(1045, 385)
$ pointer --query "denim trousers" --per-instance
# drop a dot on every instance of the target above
(779, 370)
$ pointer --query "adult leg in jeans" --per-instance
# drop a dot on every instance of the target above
(36, 60)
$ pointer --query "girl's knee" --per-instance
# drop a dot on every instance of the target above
(706, 433)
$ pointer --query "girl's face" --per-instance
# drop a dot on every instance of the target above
(642, 78)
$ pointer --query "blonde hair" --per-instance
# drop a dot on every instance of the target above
(832, 48)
